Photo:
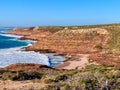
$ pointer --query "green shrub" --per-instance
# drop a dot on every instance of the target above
(2, 71)
(98, 47)
(34, 75)
(26, 76)
(7, 75)
(20, 75)
(61, 77)
(109, 75)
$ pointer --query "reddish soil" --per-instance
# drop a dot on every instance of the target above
(110, 59)
(69, 42)
(27, 67)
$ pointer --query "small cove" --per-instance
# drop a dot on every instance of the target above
(11, 52)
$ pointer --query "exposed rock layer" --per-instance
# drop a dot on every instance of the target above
(68, 41)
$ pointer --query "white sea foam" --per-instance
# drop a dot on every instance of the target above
(2, 31)
(10, 35)
(16, 38)
(17, 55)
(55, 59)
(12, 56)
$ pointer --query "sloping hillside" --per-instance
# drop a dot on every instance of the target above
(100, 41)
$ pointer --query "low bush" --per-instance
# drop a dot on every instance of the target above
(20, 75)
(98, 47)
(26, 76)
(61, 77)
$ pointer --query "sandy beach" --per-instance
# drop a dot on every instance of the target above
(77, 62)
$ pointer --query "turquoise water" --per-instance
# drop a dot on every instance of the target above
(10, 41)
(11, 53)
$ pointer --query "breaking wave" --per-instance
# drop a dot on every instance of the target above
(11, 52)
(15, 55)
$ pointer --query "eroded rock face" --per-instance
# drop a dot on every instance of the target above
(66, 40)
(69, 41)
(30, 33)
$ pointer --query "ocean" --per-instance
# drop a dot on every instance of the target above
(11, 51)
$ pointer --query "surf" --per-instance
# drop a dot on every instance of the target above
(11, 52)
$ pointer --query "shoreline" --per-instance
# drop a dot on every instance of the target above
(20, 55)
(51, 56)
(68, 63)
(88, 60)
(72, 42)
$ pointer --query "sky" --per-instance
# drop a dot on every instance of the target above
(58, 12)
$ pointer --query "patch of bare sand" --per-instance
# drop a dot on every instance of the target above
(77, 62)
(20, 85)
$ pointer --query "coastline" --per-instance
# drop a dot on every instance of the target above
(87, 59)
(18, 54)
(71, 61)
(53, 59)
(73, 43)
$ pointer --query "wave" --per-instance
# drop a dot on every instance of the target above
(5, 29)
(10, 35)
(15, 55)
(10, 41)
(2, 31)
(55, 59)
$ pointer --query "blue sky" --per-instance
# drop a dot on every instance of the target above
(58, 12)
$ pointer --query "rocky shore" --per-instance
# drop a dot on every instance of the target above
(92, 59)
(77, 44)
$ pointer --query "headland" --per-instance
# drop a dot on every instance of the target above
(91, 52)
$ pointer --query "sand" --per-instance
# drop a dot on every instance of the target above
(76, 62)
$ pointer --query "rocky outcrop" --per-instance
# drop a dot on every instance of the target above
(27, 67)
(30, 33)
(67, 40)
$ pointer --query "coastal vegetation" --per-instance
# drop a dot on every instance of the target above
(113, 29)
(92, 77)
(92, 57)
(19, 75)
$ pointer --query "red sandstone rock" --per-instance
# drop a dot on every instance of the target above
(68, 41)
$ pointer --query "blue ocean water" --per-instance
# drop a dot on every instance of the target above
(9, 41)
(11, 53)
